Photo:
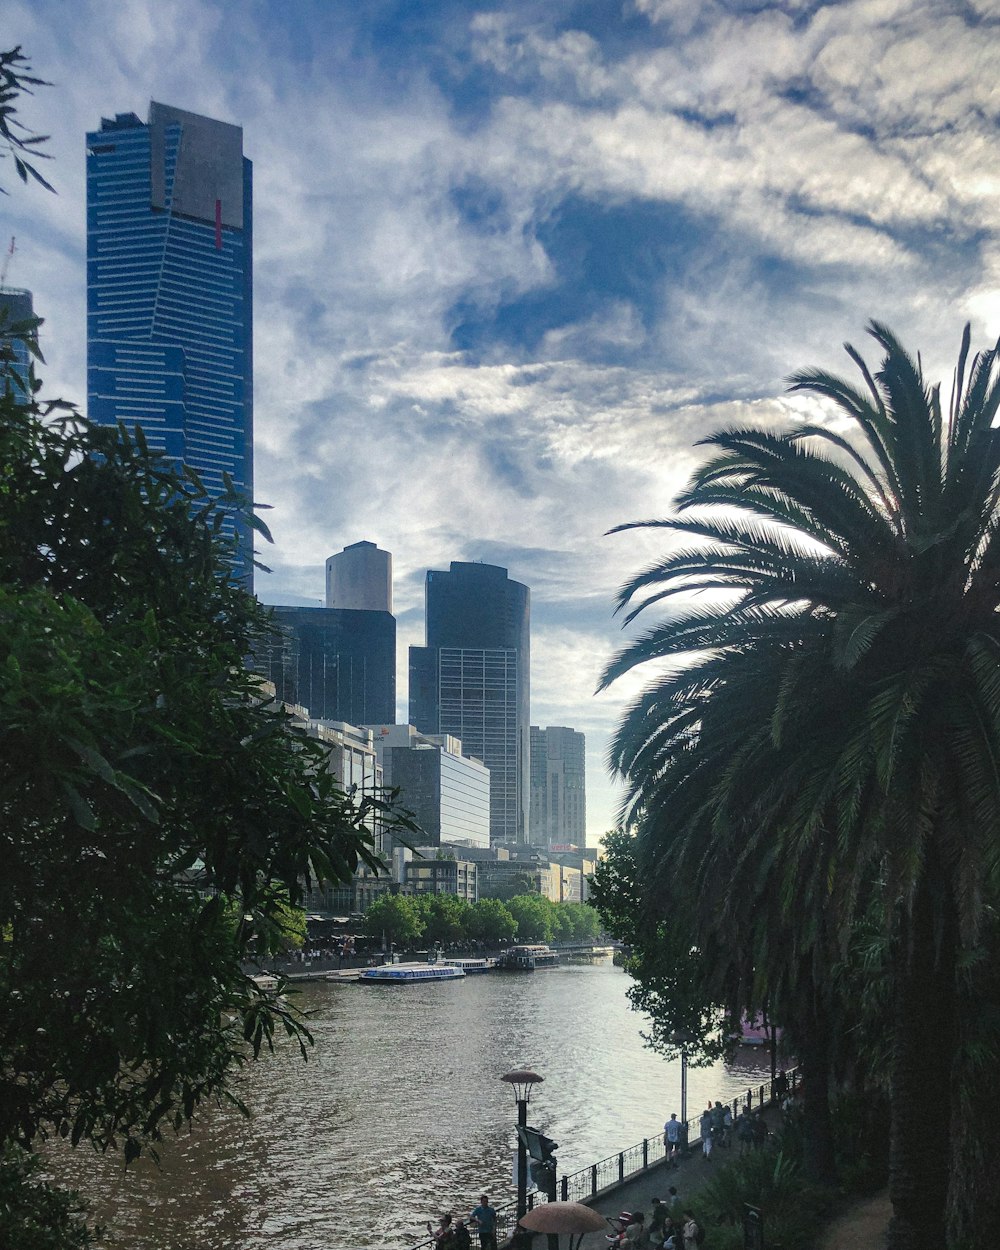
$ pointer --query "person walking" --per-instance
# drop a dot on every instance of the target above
(484, 1218)
(693, 1236)
(705, 1128)
(672, 1140)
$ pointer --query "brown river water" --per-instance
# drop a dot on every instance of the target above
(400, 1114)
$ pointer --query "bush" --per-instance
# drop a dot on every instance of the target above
(793, 1209)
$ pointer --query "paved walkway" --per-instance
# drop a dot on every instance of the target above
(863, 1226)
(638, 1194)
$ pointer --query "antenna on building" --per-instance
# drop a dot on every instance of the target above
(6, 262)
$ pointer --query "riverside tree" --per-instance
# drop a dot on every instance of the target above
(158, 813)
(850, 583)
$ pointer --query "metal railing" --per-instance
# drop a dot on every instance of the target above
(627, 1164)
(630, 1162)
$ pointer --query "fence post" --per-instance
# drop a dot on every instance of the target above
(645, 1153)
(621, 1166)
(565, 1189)
(593, 1178)
(749, 1099)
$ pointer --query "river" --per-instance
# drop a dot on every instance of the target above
(400, 1114)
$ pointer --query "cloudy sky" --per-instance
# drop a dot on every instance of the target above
(512, 259)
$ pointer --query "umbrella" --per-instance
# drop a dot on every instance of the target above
(563, 1217)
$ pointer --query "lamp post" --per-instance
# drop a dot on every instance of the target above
(522, 1080)
(682, 1038)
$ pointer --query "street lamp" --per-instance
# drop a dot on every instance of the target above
(682, 1038)
(522, 1080)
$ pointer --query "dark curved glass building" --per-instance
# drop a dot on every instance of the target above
(472, 680)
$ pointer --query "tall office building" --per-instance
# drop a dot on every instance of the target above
(338, 663)
(169, 291)
(448, 793)
(558, 786)
(360, 577)
(471, 680)
(15, 359)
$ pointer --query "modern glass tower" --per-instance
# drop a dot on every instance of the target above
(471, 680)
(337, 662)
(558, 786)
(170, 291)
(15, 359)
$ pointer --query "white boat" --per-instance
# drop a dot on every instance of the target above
(528, 958)
(471, 966)
(406, 974)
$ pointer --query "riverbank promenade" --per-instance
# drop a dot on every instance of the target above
(637, 1193)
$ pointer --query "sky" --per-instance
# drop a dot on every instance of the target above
(512, 260)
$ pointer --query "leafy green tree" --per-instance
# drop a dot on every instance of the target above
(850, 572)
(533, 915)
(669, 982)
(444, 917)
(490, 921)
(34, 1214)
(583, 922)
(395, 918)
(148, 790)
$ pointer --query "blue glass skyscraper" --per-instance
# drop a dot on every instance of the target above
(15, 359)
(169, 290)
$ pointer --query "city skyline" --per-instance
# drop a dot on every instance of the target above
(513, 260)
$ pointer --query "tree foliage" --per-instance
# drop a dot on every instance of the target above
(21, 144)
(395, 917)
(149, 792)
(490, 921)
(824, 740)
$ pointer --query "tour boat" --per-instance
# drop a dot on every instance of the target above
(528, 958)
(471, 966)
(406, 974)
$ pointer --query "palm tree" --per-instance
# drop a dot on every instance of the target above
(838, 681)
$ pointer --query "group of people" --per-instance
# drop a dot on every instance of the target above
(670, 1227)
(452, 1234)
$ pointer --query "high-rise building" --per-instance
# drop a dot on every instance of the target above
(170, 293)
(338, 663)
(471, 680)
(558, 786)
(447, 792)
(360, 577)
(15, 358)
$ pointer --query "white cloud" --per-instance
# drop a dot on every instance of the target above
(838, 165)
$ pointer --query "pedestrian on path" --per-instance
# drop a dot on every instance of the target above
(672, 1139)
(484, 1218)
(693, 1236)
(705, 1128)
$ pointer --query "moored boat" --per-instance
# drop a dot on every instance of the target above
(472, 966)
(528, 958)
(406, 974)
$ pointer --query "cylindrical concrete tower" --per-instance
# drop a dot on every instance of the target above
(360, 577)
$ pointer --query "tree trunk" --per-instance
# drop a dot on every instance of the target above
(923, 1049)
(973, 1215)
(817, 1125)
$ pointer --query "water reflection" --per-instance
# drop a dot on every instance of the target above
(399, 1114)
